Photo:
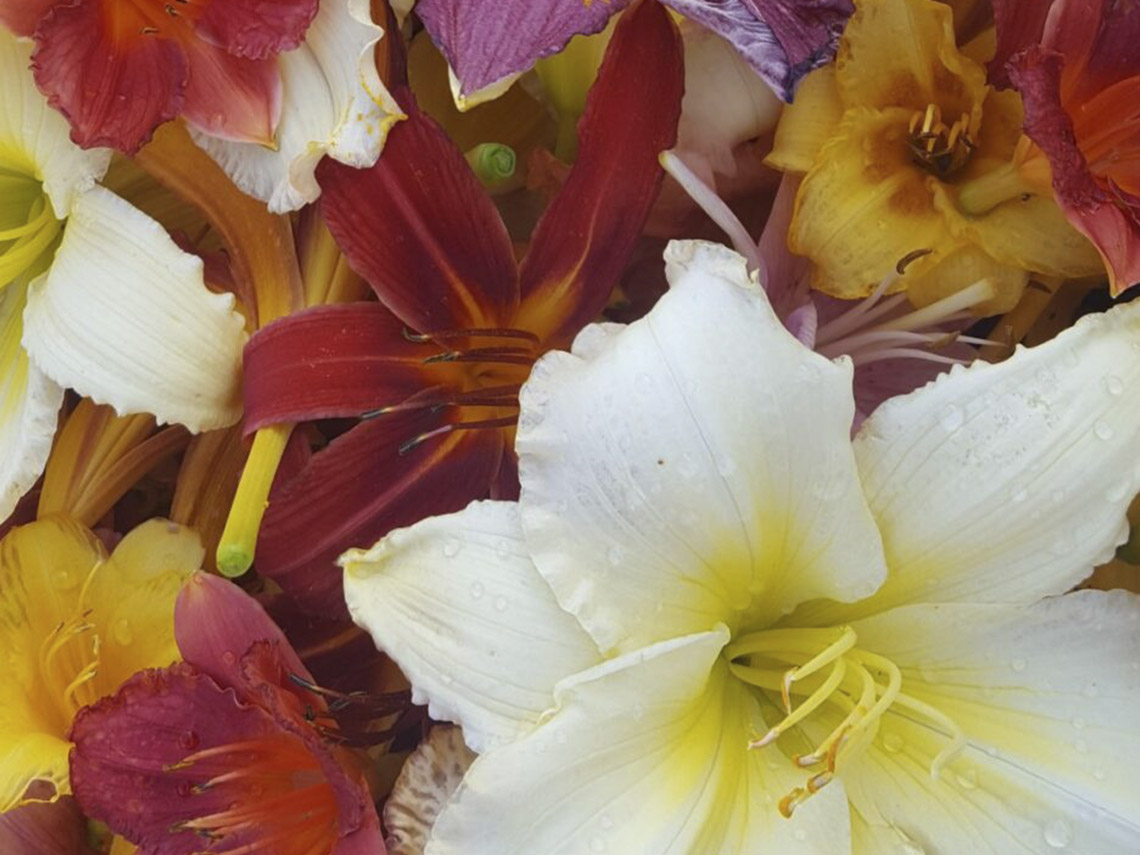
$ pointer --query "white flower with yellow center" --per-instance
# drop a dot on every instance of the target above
(94, 295)
(713, 625)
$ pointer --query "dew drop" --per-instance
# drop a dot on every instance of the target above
(503, 550)
(799, 834)
(1114, 385)
(605, 822)
(188, 740)
(1099, 774)
(229, 658)
(614, 555)
(644, 383)
(1103, 430)
(638, 711)
(63, 580)
(1019, 495)
(1081, 746)
(968, 778)
(477, 590)
(597, 844)
(1078, 723)
(122, 632)
(184, 788)
(1018, 665)
(1090, 691)
(1058, 834)
(952, 418)
(892, 742)
(500, 604)
(451, 547)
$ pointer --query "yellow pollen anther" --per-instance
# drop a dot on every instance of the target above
(863, 685)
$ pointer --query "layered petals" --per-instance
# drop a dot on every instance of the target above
(1007, 482)
(489, 44)
(123, 316)
(620, 449)
(254, 28)
(29, 405)
(444, 621)
(332, 103)
(376, 489)
(1046, 697)
(21, 16)
(782, 41)
(230, 97)
(420, 215)
(643, 753)
(583, 241)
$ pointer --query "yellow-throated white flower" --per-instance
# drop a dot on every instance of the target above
(713, 624)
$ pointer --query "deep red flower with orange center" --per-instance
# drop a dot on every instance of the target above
(228, 752)
(1077, 67)
(119, 68)
(439, 361)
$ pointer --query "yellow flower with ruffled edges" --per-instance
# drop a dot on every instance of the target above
(906, 154)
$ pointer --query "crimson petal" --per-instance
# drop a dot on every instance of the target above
(585, 238)
(360, 488)
(422, 230)
(22, 16)
(1019, 24)
(331, 361)
(114, 90)
(231, 97)
(257, 29)
(1111, 220)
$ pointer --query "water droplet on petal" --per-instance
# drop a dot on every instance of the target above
(500, 604)
(1081, 746)
(63, 580)
(892, 743)
(122, 632)
(799, 834)
(614, 555)
(1019, 495)
(1078, 723)
(968, 778)
(1103, 430)
(1114, 385)
(477, 590)
(1018, 665)
(188, 740)
(605, 822)
(952, 418)
(1091, 690)
(1058, 834)
(451, 547)
(597, 844)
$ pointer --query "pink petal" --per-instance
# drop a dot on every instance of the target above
(22, 16)
(231, 97)
(44, 829)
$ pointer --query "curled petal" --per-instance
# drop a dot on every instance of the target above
(123, 317)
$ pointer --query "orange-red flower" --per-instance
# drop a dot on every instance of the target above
(439, 361)
(1077, 67)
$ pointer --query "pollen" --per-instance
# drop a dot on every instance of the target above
(939, 148)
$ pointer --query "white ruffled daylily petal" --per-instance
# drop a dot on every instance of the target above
(456, 602)
(333, 103)
(29, 406)
(646, 753)
(696, 468)
(1047, 696)
(124, 317)
(1008, 482)
(37, 136)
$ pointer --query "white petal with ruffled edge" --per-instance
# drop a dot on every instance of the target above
(1047, 696)
(29, 406)
(695, 468)
(124, 317)
(36, 138)
(1008, 482)
(646, 753)
(334, 104)
(456, 602)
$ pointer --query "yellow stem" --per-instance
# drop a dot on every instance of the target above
(239, 538)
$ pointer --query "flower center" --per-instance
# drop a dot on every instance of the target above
(939, 148)
(164, 18)
(821, 668)
(479, 373)
(28, 227)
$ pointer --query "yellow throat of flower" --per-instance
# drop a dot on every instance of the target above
(825, 668)
(939, 148)
(28, 225)
(68, 659)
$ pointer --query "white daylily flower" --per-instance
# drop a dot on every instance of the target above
(333, 103)
(94, 295)
(691, 498)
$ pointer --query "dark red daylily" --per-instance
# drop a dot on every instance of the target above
(1077, 67)
(119, 68)
(228, 752)
(440, 360)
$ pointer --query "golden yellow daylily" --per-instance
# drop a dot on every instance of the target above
(74, 624)
(906, 149)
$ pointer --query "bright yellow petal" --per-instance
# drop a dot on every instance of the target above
(43, 568)
(132, 600)
(864, 207)
(902, 53)
(807, 123)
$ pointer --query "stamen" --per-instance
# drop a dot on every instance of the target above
(482, 424)
(490, 332)
(939, 148)
(491, 396)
